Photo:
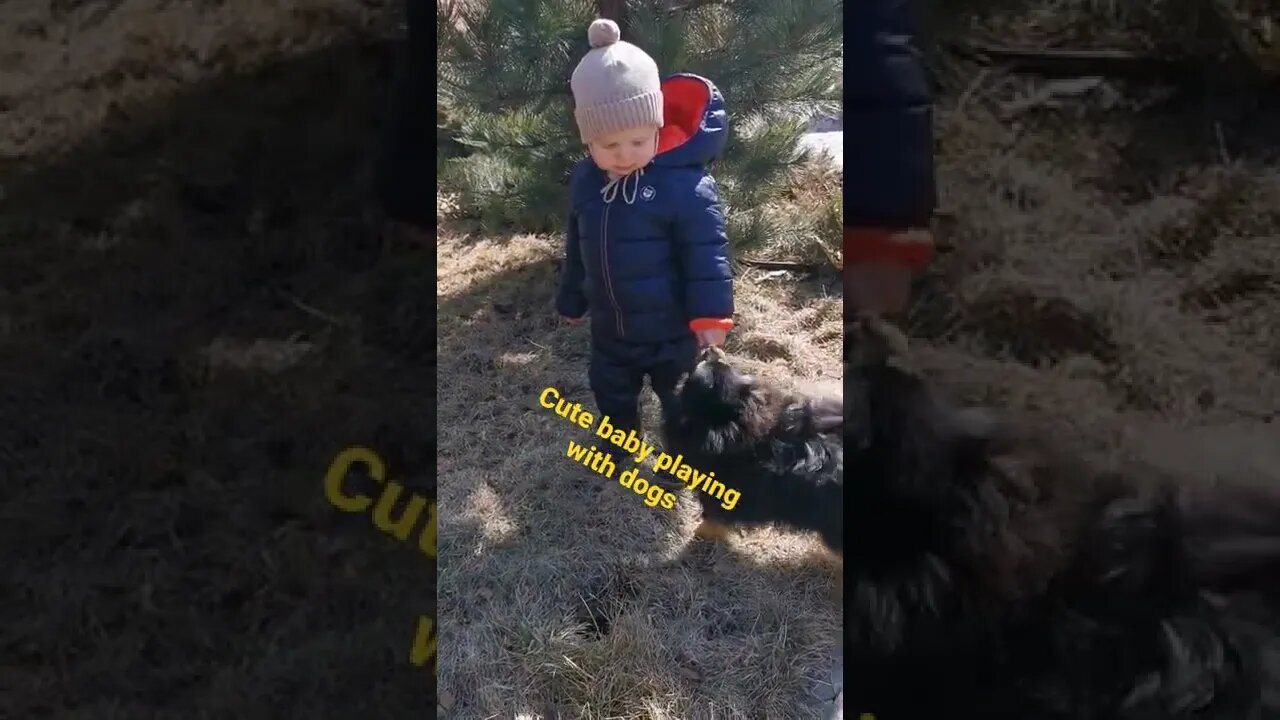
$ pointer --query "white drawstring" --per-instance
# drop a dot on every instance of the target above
(610, 191)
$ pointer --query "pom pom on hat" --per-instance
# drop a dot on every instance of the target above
(603, 32)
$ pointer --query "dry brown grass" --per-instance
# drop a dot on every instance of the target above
(66, 67)
(1116, 267)
(814, 192)
(561, 594)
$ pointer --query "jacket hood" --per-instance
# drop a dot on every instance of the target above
(695, 122)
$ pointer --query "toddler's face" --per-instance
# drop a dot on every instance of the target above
(624, 151)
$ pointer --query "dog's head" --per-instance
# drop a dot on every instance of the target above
(715, 390)
(870, 341)
(724, 409)
(878, 394)
(906, 439)
(719, 409)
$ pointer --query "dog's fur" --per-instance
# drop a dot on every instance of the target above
(990, 575)
(781, 450)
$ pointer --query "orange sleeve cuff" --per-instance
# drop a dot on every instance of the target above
(725, 324)
(862, 245)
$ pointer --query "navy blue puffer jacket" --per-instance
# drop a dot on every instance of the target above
(888, 119)
(648, 256)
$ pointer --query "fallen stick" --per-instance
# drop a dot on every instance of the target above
(1070, 63)
(782, 265)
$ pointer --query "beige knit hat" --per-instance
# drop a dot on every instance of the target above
(615, 86)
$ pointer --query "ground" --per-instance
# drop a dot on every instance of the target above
(196, 316)
(560, 591)
(180, 181)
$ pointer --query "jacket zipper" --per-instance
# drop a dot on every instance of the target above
(604, 262)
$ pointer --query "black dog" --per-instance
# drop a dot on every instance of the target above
(781, 451)
(992, 576)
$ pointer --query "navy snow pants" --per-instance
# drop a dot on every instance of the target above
(617, 371)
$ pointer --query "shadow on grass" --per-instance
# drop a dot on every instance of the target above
(165, 512)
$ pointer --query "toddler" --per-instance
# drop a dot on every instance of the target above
(646, 251)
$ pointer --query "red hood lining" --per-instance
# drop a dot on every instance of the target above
(684, 101)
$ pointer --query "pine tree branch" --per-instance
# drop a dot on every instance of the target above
(691, 6)
(776, 61)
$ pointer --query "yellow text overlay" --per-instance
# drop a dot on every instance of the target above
(343, 494)
(635, 446)
(424, 642)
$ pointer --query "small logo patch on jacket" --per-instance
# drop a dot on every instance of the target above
(648, 192)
